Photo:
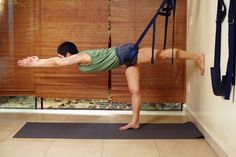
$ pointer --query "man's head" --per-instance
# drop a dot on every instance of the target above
(67, 48)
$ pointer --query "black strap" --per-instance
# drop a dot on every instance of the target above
(218, 85)
(223, 87)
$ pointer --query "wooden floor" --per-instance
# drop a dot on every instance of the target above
(10, 123)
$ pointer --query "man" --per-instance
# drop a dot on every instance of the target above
(100, 60)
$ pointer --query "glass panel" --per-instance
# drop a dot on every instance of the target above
(92, 104)
(75, 103)
(28, 102)
(16, 102)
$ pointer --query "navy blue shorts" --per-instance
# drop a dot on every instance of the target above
(125, 55)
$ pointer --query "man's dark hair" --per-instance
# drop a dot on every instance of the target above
(65, 47)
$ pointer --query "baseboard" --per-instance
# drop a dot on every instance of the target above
(91, 112)
(210, 140)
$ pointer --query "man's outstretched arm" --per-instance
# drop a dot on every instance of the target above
(50, 62)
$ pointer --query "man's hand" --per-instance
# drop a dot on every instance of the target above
(35, 58)
(27, 62)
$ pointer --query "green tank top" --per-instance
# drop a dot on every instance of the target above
(101, 60)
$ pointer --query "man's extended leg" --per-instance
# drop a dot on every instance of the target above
(144, 56)
(132, 77)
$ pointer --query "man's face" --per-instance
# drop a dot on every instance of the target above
(61, 56)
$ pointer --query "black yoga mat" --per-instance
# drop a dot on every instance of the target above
(109, 131)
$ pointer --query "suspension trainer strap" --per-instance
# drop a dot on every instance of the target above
(218, 85)
(231, 60)
(161, 9)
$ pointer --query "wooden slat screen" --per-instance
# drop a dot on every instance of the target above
(162, 82)
(16, 42)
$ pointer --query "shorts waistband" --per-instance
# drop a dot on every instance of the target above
(119, 57)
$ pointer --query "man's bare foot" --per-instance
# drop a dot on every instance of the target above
(129, 126)
(200, 61)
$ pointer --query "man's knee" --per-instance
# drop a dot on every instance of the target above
(134, 90)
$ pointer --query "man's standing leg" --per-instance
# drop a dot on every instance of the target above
(133, 78)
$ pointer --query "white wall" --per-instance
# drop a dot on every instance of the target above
(216, 115)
